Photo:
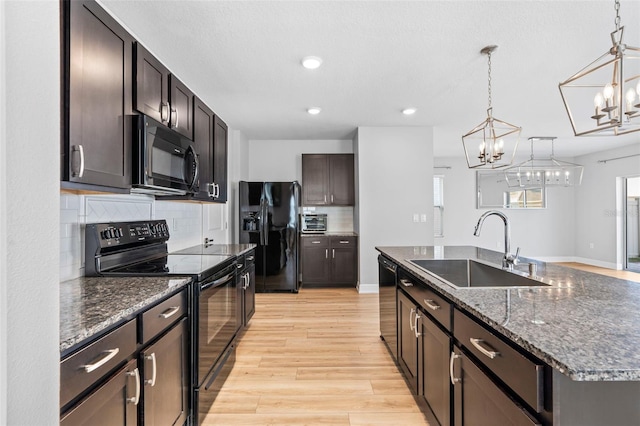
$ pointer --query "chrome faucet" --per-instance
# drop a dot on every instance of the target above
(509, 259)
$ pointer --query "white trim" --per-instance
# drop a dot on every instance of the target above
(3, 233)
(367, 288)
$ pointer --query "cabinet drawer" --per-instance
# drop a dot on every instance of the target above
(338, 241)
(523, 375)
(161, 316)
(315, 242)
(432, 303)
(241, 262)
(88, 365)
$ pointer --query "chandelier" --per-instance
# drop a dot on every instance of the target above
(603, 98)
(546, 172)
(491, 144)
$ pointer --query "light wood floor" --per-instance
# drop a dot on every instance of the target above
(625, 275)
(314, 358)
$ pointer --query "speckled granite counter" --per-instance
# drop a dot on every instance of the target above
(228, 249)
(91, 305)
(587, 326)
(331, 234)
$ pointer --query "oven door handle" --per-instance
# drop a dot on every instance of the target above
(218, 282)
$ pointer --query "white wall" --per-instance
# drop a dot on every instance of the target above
(281, 160)
(30, 235)
(599, 207)
(3, 226)
(540, 233)
(394, 181)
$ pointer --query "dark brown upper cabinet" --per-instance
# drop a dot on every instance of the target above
(220, 154)
(328, 180)
(96, 96)
(160, 94)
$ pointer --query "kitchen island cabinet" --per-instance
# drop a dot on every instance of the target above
(540, 356)
(97, 101)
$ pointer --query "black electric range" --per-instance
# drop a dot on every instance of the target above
(140, 249)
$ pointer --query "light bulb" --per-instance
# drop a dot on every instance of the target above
(409, 111)
(482, 146)
(314, 110)
(608, 91)
(500, 145)
(638, 89)
(598, 101)
(311, 62)
(631, 95)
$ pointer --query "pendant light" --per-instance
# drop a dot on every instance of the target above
(543, 172)
(603, 98)
(491, 144)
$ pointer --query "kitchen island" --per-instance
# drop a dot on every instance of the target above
(581, 331)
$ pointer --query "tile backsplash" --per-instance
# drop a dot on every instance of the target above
(339, 219)
(183, 218)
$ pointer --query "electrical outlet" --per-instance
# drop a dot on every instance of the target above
(423, 217)
(416, 218)
(591, 245)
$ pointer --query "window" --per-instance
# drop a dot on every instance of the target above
(438, 205)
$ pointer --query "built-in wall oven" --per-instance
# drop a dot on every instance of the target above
(140, 249)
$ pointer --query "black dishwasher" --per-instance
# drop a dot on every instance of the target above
(387, 301)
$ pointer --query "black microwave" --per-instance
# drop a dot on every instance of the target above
(164, 162)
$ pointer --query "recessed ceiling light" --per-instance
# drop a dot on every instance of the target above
(311, 62)
(409, 111)
(314, 110)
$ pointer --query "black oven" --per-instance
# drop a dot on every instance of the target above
(164, 162)
(217, 319)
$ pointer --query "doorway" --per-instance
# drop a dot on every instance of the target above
(632, 224)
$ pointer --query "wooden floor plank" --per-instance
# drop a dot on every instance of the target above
(314, 358)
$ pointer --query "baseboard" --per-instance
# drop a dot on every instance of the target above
(367, 288)
(593, 262)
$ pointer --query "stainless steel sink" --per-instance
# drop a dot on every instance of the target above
(467, 273)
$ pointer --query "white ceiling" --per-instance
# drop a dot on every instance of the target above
(243, 59)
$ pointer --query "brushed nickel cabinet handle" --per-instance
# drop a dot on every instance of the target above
(136, 399)
(415, 324)
(326, 253)
(106, 357)
(151, 358)
(413, 310)
(344, 242)
(454, 380)
(164, 112)
(333, 253)
(251, 258)
(431, 304)
(80, 150)
(315, 242)
(332, 198)
(170, 312)
(488, 350)
(406, 283)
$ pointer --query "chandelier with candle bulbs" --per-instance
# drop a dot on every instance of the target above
(603, 98)
(492, 144)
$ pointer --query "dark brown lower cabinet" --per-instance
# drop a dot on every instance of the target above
(165, 368)
(112, 404)
(329, 260)
(434, 349)
(408, 340)
(478, 401)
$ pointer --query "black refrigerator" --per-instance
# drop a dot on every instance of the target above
(269, 216)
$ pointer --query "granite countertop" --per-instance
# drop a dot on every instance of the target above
(330, 234)
(584, 325)
(224, 249)
(91, 305)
